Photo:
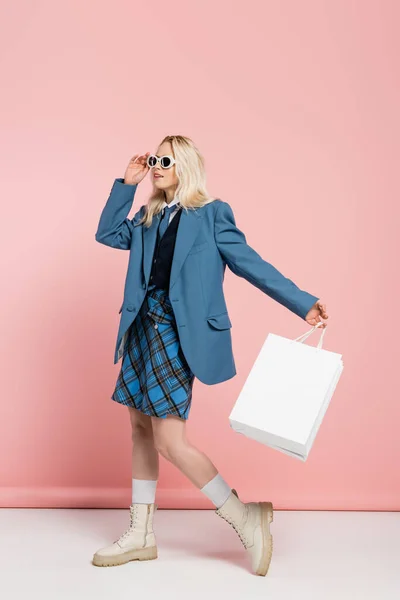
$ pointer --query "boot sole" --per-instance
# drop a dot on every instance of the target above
(137, 554)
(267, 516)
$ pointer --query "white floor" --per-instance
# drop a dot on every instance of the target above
(46, 554)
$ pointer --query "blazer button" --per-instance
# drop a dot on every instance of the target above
(130, 307)
(144, 286)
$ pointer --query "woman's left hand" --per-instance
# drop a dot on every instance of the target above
(315, 313)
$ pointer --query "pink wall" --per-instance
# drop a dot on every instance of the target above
(295, 106)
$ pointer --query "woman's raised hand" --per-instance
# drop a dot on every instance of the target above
(137, 169)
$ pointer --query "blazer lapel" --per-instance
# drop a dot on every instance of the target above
(187, 231)
(188, 228)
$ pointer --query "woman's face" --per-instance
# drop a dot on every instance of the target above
(168, 178)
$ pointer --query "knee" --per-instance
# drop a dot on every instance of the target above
(142, 433)
(161, 444)
(169, 437)
(141, 426)
(169, 449)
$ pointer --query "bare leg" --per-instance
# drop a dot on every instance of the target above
(138, 542)
(250, 520)
(171, 442)
(145, 463)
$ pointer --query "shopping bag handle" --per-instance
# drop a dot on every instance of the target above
(305, 335)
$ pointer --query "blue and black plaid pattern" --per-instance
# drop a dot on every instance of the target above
(155, 377)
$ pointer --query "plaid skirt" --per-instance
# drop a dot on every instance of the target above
(154, 377)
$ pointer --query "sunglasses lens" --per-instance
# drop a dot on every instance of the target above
(152, 161)
(166, 162)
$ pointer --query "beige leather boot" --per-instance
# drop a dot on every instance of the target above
(137, 543)
(251, 521)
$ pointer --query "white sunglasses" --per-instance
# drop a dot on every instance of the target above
(165, 161)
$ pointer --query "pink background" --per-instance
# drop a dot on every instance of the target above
(295, 106)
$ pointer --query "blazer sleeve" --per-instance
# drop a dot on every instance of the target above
(245, 262)
(114, 228)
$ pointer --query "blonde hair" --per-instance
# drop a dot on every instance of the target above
(191, 189)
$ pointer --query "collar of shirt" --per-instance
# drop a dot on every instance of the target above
(174, 201)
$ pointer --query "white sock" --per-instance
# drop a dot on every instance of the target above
(217, 490)
(143, 491)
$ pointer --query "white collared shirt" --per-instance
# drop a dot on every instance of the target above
(173, 213)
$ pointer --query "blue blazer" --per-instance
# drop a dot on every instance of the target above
(207, 240)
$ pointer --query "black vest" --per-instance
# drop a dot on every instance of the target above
(163, 254)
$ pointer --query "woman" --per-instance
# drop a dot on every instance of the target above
(174, 327)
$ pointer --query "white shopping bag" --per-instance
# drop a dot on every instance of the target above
(287, 393)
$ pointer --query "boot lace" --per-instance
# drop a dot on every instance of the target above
(240, 533)
(133, 515)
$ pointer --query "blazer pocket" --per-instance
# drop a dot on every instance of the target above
(220, 321)
(198, 247)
